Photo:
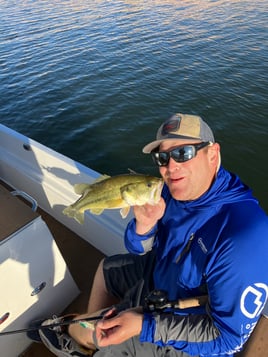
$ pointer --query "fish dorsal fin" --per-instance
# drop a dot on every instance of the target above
(124, 211)
(81, 188)
(132, 172)
(101, 178)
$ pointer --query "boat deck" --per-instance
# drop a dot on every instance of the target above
(82, 260)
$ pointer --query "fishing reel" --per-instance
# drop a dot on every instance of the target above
(157, 300)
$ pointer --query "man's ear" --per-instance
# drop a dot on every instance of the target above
(214, 155)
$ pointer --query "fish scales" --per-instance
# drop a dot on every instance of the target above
(122, 191)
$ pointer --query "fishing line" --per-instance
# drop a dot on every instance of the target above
(52, 325)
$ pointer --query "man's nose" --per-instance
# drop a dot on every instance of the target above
(172, 164)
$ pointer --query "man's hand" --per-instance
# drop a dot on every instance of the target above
(148, 215)
(117, 329)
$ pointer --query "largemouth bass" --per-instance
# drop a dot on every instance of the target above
(122, 191)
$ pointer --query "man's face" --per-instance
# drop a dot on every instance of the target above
(188, 180)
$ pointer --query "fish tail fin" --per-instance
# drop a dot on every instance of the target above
(73, 213)
(69, 211)
(79, 217)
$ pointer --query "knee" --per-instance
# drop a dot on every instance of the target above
(99, 275)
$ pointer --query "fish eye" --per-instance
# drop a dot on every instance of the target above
(149, 185)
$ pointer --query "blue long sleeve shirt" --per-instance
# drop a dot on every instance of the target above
(226, 233)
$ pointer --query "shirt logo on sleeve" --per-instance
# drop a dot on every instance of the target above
(253, 300)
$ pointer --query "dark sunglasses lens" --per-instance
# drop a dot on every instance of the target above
(180, 154)
(183, 154)
(160, 158)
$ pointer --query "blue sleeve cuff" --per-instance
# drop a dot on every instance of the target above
(148, 328)
(137, 243)
(151, 233)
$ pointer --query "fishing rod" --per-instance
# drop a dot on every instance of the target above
(156, 300)
(52, 325)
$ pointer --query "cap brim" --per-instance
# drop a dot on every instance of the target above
(154, 144)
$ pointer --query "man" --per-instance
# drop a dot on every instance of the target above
(206, 236)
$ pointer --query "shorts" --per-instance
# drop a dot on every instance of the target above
(130, 278)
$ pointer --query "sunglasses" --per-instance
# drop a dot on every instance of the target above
(179, 154)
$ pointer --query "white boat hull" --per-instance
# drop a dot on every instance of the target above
(49, 178)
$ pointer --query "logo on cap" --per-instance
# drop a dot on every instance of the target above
(171, 126)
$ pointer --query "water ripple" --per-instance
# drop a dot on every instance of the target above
(89, 79)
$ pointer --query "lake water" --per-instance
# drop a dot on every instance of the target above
(95, 79)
